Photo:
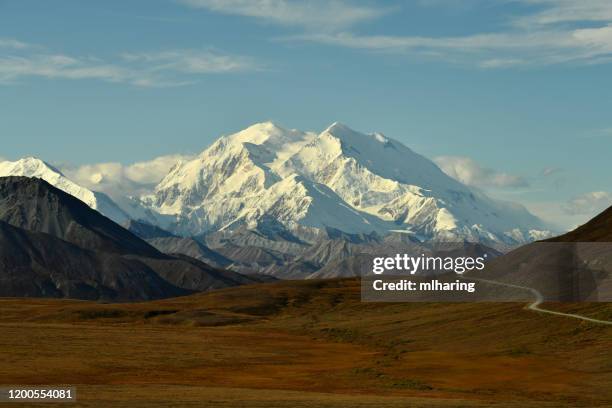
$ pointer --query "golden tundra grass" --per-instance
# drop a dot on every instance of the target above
(307, 344)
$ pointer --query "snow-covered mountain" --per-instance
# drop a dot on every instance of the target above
(266, 177)
(33, 167)
(304, 186)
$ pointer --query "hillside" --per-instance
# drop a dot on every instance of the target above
(573, 267)
(55, 245)
(35, 205)
(40, 265)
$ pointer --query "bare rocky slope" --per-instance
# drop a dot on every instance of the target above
(55, 245)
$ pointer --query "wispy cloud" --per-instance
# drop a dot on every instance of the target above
(59, 66)
(589, 203)
(167, 68)
(12, 43)
(469, 172)
(553, 213)
(192, 62)
(324, 15)
(552, 32)
(564, 11)
(592, 45)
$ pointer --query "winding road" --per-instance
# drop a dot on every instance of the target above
(539, 299)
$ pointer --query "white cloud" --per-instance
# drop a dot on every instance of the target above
(58, 66)
(502, 62)
(469, 172)
(324, 15)
(192, 62)
(152, 171)
(564, 11)
(12, 43)
(466, 43)
(553, 213)
(589, 203)
(502, 50)
(168, 68)
(117, 180)
(554, 32)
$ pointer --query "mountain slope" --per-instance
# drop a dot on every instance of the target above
(56, 241)
(35, 205)
(338, 179)
(382, 177)
(146, 231)
(574, 267)
(225, 183)
(190, 247)
(34, 264)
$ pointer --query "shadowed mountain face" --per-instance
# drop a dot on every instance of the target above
(35, 264)
(35, 205)
(146, 231)
(599, 229)
(190, 247)
(169, 243)
(55, 245)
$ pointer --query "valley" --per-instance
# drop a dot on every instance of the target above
(308, 343)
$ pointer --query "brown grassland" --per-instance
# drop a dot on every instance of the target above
(307, 344)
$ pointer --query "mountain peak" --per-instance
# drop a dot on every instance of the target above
(31, 164)
(34, 167)
(338, 128)
(262, 127)
(268, 133)
(342, 131)
(268, 124)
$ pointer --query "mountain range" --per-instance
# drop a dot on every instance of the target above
(262, 202)
(302, 186)
(272, 179)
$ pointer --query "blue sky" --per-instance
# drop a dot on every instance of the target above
(511, 96)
